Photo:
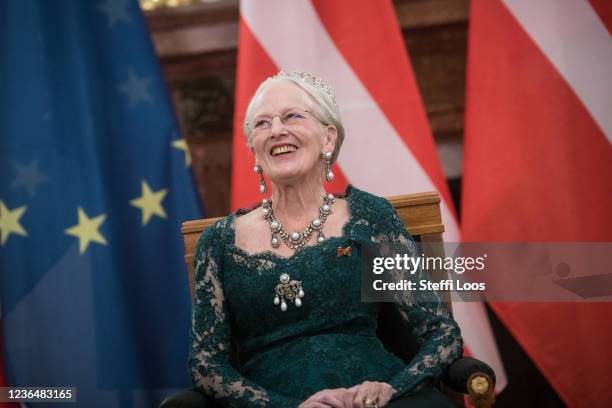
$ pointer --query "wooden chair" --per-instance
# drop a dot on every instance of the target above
(421, 215)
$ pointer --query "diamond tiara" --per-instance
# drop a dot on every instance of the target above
(311, 80)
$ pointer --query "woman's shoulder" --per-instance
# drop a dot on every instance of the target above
(370, 213)
(381, 216)
(215, 231)
(366, 203)
(245, 220)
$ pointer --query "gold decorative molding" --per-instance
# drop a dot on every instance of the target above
(149, 5)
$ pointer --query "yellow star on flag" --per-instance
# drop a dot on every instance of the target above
(150, 203)
(87, 230)
(181, 144)
(9, 222)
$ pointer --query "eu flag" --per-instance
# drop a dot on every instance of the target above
(94, 183)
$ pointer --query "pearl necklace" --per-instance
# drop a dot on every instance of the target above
(297, 240)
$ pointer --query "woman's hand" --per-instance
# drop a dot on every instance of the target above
(371, 390)
(351, 397)
(335, 398)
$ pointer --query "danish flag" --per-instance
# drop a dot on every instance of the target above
(538, 166)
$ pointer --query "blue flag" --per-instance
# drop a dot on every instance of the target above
(94, 183)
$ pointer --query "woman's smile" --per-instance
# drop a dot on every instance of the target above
(283, 150)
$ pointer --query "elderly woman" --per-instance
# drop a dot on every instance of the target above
(270, 280)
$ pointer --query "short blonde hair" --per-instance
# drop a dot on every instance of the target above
(319, 92)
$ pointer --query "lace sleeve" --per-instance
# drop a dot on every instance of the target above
(437, 333)
(210, 335)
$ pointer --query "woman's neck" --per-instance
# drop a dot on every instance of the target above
(295, 205)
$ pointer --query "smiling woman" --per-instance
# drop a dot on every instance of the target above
(308, 340)
(318, 96)
(295, 128)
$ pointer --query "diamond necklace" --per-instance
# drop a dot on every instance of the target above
(296, 240)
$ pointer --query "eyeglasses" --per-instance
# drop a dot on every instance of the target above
(291, 118)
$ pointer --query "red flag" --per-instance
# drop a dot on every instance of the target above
(358, 48)
(538, 166)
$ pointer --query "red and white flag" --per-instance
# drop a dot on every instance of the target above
(357, 47)
(538, 166)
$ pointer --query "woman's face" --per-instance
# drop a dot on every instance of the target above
(289, 151)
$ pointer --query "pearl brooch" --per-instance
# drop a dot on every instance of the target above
(290, 290)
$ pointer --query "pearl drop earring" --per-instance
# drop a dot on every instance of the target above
(262, 182)
(329, 175)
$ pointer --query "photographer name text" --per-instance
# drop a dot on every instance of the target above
(425, 284)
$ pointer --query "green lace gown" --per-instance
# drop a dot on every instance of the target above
(328, 342)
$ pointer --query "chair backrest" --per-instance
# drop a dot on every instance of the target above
(420, 213)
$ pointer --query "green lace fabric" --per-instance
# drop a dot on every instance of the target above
(246, 352)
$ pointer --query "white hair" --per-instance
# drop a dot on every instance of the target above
(319, 92)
